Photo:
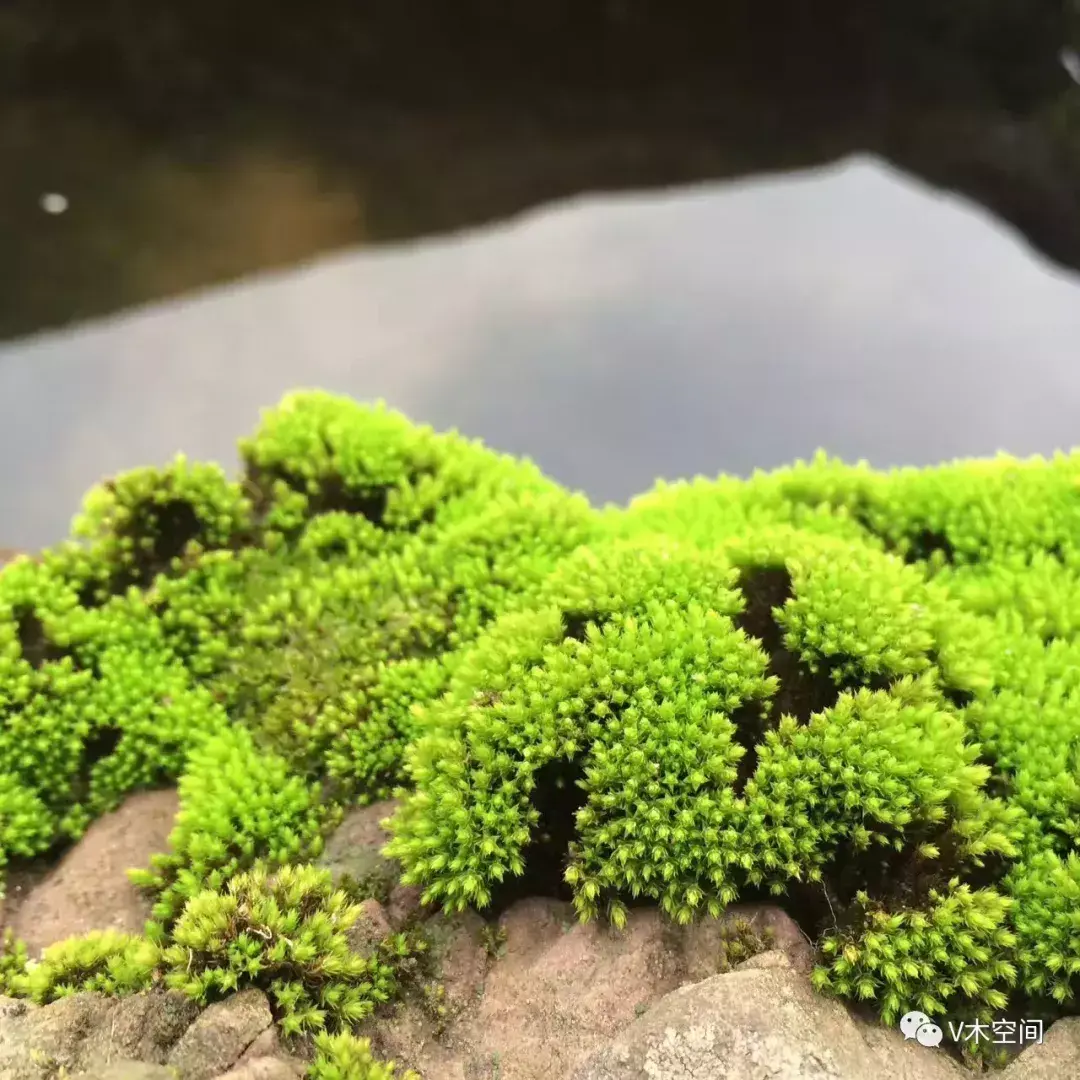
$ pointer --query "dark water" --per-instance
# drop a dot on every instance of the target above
(624, 244)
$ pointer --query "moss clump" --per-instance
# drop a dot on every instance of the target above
(107, 961)
(346, 1057)
(856, 691)
(285, 933)
(740, 940)
(238, 807)
(13, 964)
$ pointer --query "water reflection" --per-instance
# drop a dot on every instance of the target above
(612, 340)
(198, 142)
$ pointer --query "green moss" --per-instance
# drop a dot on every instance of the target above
(13, 964)
(106, 961)
(740, 940)
(857, 691)
(238, 808)
(285, 933)
(346, 1057)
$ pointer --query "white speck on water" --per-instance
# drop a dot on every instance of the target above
(1070, 61)
(53, 202)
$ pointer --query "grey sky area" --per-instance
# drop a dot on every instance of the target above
(614, 341)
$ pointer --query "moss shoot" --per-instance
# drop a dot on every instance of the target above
(856, 692)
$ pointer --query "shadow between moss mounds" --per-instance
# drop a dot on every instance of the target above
(509, 107)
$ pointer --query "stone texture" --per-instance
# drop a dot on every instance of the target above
(265, 1068)
(89, 889)
(87, 1031)
(270, 1045)
(1056, 1058)
(354, 849)
(556, 991)
(142, 1026)
(35, 1040)
(368, 930)
(128, 1069)
(216, 1041)
(761, 1022)
(701, 941)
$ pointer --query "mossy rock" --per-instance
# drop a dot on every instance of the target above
(854, 691)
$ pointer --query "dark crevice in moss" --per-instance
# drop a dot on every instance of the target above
(999, 784)
(36, 647)
(801, 692)
(895, 879)
(557, 798)
(101, 744)
(574, 624)
(922, 545)
(750, 728)
(333, 496)
(169, 526)
(369, 504)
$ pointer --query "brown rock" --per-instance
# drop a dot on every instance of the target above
(558, 990)
(759, 1023)
(220, 1035)
(144, 1026)
(127, 1069)
(54, 1037)
(404, 906)
(265, 1068)
(368, 930)
(270, 1045)
(89, 889)
(354, 850)
(1057, 1057)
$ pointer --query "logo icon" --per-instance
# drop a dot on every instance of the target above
(919, 1026)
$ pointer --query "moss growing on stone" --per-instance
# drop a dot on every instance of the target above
(856, 691)
(284, 932)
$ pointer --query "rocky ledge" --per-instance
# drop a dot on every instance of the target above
(530, 995)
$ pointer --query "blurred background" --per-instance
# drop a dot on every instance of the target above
(625, 238)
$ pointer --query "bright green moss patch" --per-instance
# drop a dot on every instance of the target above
(106, 960)
(857, 692)
(285, 933)
(345, 1057)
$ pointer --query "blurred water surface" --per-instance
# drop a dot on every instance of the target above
(613, 339)
(627, 238)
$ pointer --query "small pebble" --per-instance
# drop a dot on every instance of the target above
(54, 203)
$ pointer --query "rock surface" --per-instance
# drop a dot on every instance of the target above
(764, 1021)
(1056, 1059)
(85, 1032)
(220, 1035)
(142, 1037)
(582, 1005)
(89, 889)
(761, 1022)
(354, 852)
(537, 993)
(533, 995)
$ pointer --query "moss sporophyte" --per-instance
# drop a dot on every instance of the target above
(855, 691)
